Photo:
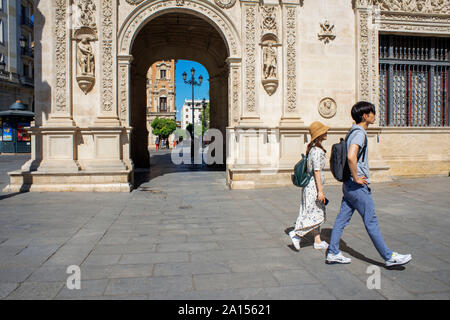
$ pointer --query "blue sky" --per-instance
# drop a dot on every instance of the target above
(184, 91)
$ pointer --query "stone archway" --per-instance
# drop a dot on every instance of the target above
(167, 32)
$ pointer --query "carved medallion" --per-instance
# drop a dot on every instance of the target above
(225, 4)
(327, 108)
(134, 1)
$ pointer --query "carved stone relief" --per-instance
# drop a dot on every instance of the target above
(269, 46)
(250, 57)
(327, 108)
(85, 31)
(291, 39)
(134, 1)
(60, 101)
(326, 32)
(270, 66)
(225, 4)
(415, 6)
(106, 50)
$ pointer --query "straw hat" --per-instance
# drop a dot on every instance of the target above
(316, 129)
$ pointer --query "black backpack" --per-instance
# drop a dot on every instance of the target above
(301, 177)
(338, 158)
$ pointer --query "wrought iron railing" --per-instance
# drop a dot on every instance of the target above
(414, 81)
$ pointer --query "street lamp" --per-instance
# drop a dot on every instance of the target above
(193, 83)
(203, 116)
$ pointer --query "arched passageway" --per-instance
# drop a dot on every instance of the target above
(176, 35)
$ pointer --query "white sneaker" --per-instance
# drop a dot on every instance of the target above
(337, 258)
(322, 245)
(295, 239)
(398, 259)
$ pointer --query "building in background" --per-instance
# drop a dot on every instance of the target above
(186, 112)
(16, 58)
(16, 53)
(160, 95)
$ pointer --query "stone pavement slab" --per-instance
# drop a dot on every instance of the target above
(185, 235)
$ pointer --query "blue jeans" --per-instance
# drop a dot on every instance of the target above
(358, 197)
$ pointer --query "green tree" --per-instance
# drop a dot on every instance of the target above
(163, 127)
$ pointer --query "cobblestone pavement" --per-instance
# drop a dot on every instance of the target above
(184, 235)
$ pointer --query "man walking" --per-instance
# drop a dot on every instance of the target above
(357, 194)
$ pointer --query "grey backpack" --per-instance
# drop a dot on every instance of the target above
(338, 158)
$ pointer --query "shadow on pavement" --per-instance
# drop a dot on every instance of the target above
(325, 234)
(10, 195)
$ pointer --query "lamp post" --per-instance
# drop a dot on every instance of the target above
(193, 83)
(203, 116)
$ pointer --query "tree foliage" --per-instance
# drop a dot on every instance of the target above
(163, 127)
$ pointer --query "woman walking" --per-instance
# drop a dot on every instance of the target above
(312, 205)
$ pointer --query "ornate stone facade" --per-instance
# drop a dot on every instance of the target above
(267, 68)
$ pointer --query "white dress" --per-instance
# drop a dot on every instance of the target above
(312, 212)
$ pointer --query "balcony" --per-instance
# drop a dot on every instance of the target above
(27, 81)
(27, 52)
(27, 22)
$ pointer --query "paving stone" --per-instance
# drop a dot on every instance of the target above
(189, 268)
(149, 285)
(35, 290)
(178, 238)
(234, 280)
(6, 288)
(158, 257)
(88, 288)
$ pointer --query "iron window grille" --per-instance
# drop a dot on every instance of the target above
(414, 81)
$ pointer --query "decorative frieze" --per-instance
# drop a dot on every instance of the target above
(106, 50)
(60, 102)
(291, 77)
(413, 6)
(250, 58)
(363, 53)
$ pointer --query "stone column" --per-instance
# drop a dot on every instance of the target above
(58, 133)
(124, 64)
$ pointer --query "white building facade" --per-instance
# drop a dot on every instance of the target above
(186, 112)
(274, 67)
(16, 53)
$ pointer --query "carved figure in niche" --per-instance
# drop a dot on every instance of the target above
(270, 62)
(85, 56)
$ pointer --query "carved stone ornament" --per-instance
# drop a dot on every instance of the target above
(134, 1)
(86, 64)
(270, 66)
(225, 4)
(416, 6)
(85, 32)
(327, 108)
(269, 19)
(326, 33)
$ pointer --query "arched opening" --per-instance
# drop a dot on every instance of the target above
(176, 35)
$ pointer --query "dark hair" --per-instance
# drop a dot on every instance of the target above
(315, 143)
(361, 108)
